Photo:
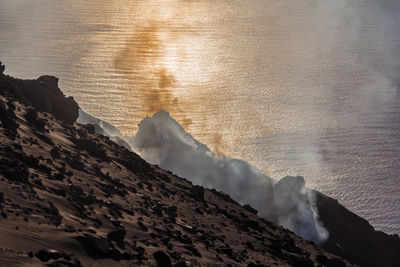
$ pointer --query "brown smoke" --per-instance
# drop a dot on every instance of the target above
(143, 48)
(218, 145)
(150, 86)
(161, 97)
(148, 79)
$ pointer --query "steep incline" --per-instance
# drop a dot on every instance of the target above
(71, 197)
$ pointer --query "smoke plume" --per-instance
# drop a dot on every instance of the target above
(152, 82)
(162, 141)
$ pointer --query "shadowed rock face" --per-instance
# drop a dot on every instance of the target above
(352, 237)
(43, 94)
(2, 68)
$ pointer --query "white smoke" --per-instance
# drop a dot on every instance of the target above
(296, 208)
(102, 127)
(161, 140)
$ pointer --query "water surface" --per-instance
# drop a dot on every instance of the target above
(294, 88)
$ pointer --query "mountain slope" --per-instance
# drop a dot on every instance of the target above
(71, 197)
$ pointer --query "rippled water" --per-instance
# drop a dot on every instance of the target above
(305, 88)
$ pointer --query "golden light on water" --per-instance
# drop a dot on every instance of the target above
(275, 83)
(184, 57)
(227, 71)
(160, 63)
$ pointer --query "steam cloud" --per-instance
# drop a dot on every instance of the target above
(162, 141)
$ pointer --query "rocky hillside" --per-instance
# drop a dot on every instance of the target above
(353, 238)
(71, 197)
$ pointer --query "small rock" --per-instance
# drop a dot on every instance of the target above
(184, 264)
(198, 193)
(249, 245)
(172, 213)
(193, 250)
(2, 68)
(64, 263)
(48, 254)
(91, 230)
(89, 128)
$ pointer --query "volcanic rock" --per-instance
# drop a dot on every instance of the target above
(162, 259)
(43, 94)
(95, 246)
(2, 68)
(353, 238)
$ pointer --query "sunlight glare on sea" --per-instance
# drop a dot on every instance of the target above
(296, 88)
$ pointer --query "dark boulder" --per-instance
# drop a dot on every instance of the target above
(98, 247)
(48, 254)
(334, 262)
(172, 213)
(31, 115)
(95, 246)
(251, 264)
(34, 121)
(91, 147)
(162, 259)
(58, 259)
(197, 193)
(184, 264)
(117, 235)
(300, 261)
(65, 263)
(90, 128)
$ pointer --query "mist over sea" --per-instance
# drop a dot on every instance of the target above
(308, 88)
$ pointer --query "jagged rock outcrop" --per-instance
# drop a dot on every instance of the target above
(43, 94)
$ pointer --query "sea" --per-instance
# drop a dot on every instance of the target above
(306, 88)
